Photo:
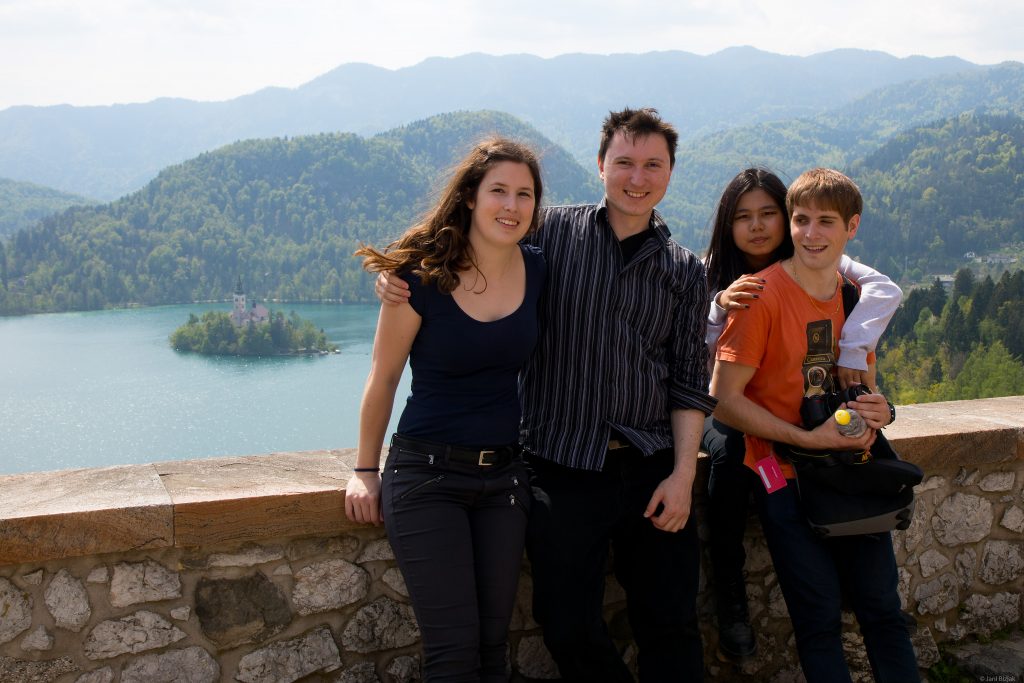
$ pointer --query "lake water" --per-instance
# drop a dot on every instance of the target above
(105, 388)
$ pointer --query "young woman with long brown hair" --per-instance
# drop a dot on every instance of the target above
(454, 494)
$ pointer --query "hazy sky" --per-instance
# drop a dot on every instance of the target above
(107, 51)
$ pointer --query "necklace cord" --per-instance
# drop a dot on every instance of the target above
(816, 302)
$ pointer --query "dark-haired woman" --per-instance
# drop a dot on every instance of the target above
(751, 232)
(454, 494)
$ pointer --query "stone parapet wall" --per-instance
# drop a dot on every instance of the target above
(246, 569)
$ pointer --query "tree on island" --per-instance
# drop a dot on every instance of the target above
(214, 334)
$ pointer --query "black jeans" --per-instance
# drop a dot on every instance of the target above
(816, 573)
(730, 484)
(576, 514)
(457, 531)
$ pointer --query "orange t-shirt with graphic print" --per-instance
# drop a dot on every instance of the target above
(793, 341)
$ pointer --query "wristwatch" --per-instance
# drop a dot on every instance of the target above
(892, 412)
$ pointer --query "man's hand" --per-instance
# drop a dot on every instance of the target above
(827, 437)
(391, 289)
(362, 498)
(873, 408)
(674, 495)
(848, 377)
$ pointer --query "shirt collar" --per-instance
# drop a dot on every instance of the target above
(657, 223)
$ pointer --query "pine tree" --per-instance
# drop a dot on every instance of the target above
(936, 299)
(963, 284)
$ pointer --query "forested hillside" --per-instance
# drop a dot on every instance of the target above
(22, 205)
(931, 194)
(968, 343)
(837, 138)
(875, 117)
(283, 214)
(937, 192)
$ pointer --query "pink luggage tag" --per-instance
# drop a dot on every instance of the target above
(770, 473)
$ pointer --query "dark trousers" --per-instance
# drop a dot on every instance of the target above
(458, 532)
(815, 574)
(576, 515)
(730, 484)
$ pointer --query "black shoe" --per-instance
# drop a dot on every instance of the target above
(736, 640)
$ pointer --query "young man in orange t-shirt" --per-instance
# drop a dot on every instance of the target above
(770, 358)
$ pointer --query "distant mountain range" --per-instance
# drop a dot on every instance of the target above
(106, 152)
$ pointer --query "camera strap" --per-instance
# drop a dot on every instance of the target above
(851, 295)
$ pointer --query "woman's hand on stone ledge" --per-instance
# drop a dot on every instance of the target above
(362, 498)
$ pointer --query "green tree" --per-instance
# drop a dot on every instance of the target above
(988, 372)
(255, 340)
(979, 302)
(963, 284)
(954, 325)
(936, 299)
(1011, 320)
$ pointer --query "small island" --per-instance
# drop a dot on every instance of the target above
(250, 332)
(214, 334)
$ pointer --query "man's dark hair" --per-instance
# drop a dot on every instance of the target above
(636, 123)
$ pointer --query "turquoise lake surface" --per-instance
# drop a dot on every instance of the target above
(105, 388)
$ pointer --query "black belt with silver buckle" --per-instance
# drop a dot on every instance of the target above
(481, 457)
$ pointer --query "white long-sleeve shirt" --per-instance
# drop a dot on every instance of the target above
(879, 299)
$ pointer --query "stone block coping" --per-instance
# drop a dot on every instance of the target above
(191, 503)
(187, 503)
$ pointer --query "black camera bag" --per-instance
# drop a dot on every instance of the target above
(844, 496)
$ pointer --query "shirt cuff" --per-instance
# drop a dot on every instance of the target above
(685, 398)
(853, 357)
(717, 314)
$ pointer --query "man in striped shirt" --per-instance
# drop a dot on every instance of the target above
(614, 400)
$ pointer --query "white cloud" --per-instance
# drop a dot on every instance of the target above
(105, 51)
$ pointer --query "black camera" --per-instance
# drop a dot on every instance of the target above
(814, 410)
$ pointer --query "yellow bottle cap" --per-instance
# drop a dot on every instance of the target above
(842, 417)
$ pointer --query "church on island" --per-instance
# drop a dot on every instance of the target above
(242, 315)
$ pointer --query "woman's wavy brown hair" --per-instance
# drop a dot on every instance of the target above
(437, 248)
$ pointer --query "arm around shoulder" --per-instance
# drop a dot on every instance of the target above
(879, 299)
